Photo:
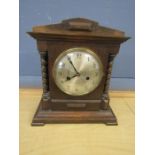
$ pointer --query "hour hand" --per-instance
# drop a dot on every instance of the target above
(69, 78)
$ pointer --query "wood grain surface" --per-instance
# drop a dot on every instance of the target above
(77, 139)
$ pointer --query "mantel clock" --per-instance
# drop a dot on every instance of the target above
(76, 64)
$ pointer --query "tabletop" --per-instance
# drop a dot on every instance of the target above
(77, 139)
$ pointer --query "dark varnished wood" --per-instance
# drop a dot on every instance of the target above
(58, 107)
(43, 117)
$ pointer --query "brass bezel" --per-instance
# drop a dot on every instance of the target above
(74, 49)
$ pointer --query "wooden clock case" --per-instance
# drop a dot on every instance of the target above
(58, 107)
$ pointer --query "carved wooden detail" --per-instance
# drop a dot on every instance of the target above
(109, 71)
(105, 96)
(45, 82)
(105, 99)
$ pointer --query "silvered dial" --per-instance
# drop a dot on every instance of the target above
(77, 71)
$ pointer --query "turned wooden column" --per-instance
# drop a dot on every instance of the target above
(105, 96)
(44, 70)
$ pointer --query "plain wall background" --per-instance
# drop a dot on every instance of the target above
(118, 14)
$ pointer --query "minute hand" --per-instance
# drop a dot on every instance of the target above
(73, 66)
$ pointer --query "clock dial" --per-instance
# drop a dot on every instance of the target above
(77, 71)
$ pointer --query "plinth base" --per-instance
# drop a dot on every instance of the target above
(43, 117)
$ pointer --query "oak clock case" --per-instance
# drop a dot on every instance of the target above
(76, 63)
